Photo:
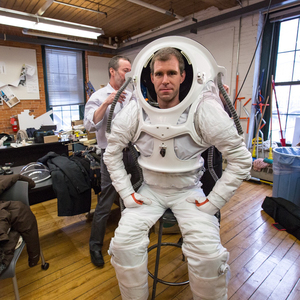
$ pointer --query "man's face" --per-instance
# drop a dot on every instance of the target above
(118, 77)
(166, 79)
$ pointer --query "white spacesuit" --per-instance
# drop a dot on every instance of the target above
(170, 142)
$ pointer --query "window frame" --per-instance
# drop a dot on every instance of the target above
(80, 106)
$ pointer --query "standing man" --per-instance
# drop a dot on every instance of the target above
(172, 169)
(95, 119)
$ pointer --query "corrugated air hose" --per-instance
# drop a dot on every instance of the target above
(130, 146)
(230, 106)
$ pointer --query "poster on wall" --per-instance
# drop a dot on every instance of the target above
(7, 96)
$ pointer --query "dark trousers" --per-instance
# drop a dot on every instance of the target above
(106, 199)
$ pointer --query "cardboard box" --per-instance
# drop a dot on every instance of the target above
(77, 122)
(50, 139)
(91, 135)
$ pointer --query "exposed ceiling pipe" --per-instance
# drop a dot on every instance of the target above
(44, 7)
(66, 38)
(79, 7)
(161, 10)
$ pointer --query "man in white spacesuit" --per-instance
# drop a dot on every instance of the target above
(170, 157)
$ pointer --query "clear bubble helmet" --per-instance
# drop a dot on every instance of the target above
(37, 171)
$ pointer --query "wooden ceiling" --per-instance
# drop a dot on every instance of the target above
(119, 19)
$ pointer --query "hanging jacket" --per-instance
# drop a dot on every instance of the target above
(16, 218)
(71, 184)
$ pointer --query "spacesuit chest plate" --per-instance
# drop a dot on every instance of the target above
(163, 157)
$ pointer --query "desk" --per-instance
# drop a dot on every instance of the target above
(42, 191)
(24, 155)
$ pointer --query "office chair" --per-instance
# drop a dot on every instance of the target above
(18, 192)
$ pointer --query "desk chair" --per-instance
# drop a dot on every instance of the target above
(18, 192)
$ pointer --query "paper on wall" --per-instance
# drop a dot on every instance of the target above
(32, 82)
(8, 96)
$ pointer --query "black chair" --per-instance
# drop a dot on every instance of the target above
(18, 192)
(167, 218)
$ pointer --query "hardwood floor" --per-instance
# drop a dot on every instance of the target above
(265, 262)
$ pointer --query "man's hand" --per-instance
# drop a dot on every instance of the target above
(203, 204)
(135, 200)
(109, 100)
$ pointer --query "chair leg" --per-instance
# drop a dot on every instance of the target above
(157, 259)
(45, 265)
(16, 289)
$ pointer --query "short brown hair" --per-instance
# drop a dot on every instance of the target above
(165, 54)
(114, 62)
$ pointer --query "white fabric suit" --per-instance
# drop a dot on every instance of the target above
(207, 258)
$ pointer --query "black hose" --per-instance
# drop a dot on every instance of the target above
(229, 104)
(112, 107)
(210, 164)
(133, 152)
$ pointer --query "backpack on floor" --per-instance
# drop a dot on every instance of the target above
(284, 212)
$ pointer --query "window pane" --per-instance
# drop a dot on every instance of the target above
(296, 76)
(294, 105)
(290, 128)
(287, 69)
(288, 35)
(284, 67)
(282, 93)
(276, 135)
(65, 77)
(298, 41)
(62, 116)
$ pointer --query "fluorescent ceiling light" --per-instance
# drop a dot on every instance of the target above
(29, 21)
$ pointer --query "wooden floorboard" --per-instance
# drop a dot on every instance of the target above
(264, 262)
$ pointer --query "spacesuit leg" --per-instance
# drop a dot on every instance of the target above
(128, 249)
(207, 258)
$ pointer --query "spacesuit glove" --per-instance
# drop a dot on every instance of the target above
(135, 199)
(203, 204)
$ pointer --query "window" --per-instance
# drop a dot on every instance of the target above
(287, 81)
(64, 85)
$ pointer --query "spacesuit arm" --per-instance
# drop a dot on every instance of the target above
(123, 129)
(219, 130)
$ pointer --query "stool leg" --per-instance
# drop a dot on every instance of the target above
(157, 259)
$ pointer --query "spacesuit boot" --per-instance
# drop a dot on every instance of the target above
(133, 281)
(212, 281)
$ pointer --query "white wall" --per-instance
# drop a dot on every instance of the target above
(98, 73)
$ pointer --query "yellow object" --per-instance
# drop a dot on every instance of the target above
(270, 153)
(254, 141)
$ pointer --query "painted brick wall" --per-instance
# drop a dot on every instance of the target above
(37, 107)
